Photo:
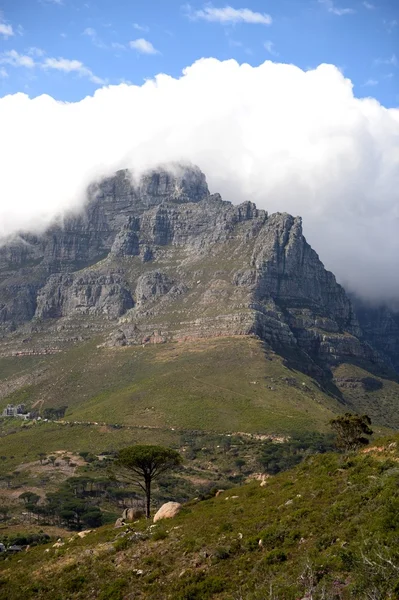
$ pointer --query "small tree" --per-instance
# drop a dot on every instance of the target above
(351, 431)
(41, 456)
(52, 459)
(29, 497)
(143, 464)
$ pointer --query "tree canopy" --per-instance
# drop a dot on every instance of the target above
(351, 431)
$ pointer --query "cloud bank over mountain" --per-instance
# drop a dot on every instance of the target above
(287, 139)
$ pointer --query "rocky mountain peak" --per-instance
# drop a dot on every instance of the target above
(159, 258)
(174, 182)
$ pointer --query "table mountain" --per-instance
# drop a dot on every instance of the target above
(160, 259)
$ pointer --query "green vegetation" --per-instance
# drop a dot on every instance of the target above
(54, 413)
(351, 431)
(21, 444)
(327, 529)
(223, 385)
(287, 454)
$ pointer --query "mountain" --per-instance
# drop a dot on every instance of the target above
(160, 261)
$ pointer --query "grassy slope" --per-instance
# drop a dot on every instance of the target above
(25, 443)
(380, 404)
(222, 384)
(318, 524)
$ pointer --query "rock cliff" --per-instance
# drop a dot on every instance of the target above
(162, 259)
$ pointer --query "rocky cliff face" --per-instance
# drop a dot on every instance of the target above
(161, 259)
(380, 326)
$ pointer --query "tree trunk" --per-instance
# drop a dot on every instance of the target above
(148, 497)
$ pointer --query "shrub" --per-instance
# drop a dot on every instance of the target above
(75, 584)
(159, 535)
(122, 543)
(225, 527)
(200, 587)
(275, 556)
(222, 553)
(114, 590)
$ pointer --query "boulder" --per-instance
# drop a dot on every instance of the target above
(83, 533)
(119, 523)
(132, 514)
(167, 511)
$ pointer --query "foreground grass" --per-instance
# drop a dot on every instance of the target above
(328, 528)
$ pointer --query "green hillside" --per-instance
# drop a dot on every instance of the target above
(221, 384)
(327, 529)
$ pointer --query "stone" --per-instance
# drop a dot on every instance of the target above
(167, 511)
(119, 523)
(83, 533)
(132, 514)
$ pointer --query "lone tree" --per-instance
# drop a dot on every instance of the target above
(143, 464)
(351, 431)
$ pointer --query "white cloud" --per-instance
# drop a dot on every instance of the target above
(284, 138)
(143, 46)
(37, 52)
(59, 2)
(368, 5)
(92, 34)
(141, 27)
(6, 30)
(335, 10)
(71, 66)
(229, 15)
(3, 73)
(393, 61)
(390, 25)
(14, 59)
(269, 46)
(371, 82)
(118, 46)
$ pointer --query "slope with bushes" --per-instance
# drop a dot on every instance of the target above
(328, 529)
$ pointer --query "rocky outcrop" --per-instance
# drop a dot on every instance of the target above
(132, 514)
(167, 511)
(151, 286)
(380, 327)
(87, 294)
(17, 304)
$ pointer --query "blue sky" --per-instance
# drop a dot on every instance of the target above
(68, 48)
